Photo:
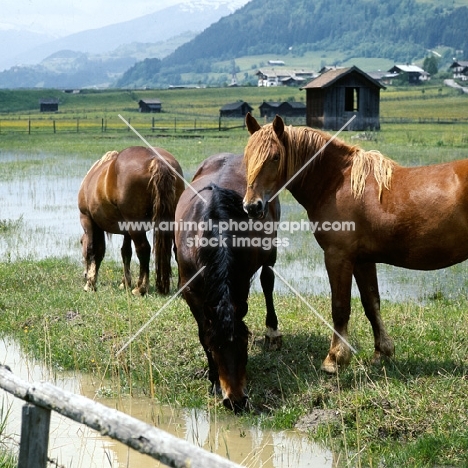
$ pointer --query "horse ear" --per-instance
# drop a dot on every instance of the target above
(278, 126)
(252, 124)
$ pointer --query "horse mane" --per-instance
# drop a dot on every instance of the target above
(363, 163)
(293, 149)
(222, 267)
(106, 157)
(298, 144)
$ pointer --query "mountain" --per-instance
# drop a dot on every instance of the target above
(395, 30)
(20, 48)
(16, 42)
(71, 69)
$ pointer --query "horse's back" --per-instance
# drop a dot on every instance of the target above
(226, 170)
(119, 188)
(91, 189)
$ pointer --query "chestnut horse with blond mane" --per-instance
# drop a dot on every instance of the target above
(138, 185)
(410, 217)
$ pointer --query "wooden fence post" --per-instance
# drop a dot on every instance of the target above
(35, 423)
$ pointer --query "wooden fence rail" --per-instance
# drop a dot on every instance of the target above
(43, 397)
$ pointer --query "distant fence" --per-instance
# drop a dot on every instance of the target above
(59, 124)
(144, 123)
(158, 125)
(43, 397)
(422, 120)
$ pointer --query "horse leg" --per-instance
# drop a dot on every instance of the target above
(94, 249)
(213, 374)
(340, 272)
(273, 337)
(143, 251)
(126, 252)
(366, 279)
(194, 300)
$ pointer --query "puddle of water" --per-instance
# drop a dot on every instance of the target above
(46, 208)
(74, 445)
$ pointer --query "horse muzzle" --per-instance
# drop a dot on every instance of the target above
(238, 406)
(257, 209)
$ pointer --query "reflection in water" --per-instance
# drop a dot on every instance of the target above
(74, 445)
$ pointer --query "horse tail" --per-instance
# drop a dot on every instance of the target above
(221, 275)
(163, 186)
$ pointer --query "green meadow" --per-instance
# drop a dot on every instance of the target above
(408, 411)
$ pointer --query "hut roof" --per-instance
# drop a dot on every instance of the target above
(332, 76)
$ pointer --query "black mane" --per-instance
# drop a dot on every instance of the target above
(224, 274)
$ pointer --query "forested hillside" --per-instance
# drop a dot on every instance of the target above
(400, 30)
(395, 29)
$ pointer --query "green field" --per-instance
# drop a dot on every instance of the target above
(411, 411)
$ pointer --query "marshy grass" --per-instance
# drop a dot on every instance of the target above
(388, 412)
(10, 225)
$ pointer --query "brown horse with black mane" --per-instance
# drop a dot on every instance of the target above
(218, 253)
(133, 186)
(411, 217)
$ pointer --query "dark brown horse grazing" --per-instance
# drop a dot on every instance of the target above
(134, 185)
(411, 217)
(218, 296)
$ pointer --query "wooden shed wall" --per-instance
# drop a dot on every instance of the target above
(326, 106)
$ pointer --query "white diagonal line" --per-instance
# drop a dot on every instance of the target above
(313, 157)
(159, 311)
(156, 152)
(345, 341)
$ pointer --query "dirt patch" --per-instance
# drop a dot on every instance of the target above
(311, 421)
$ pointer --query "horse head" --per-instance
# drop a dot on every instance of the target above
(264, 158)
(228, 348)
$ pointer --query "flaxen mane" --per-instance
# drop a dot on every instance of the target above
(107, 157)
(363, 163)
(300, 144)
(293, 149)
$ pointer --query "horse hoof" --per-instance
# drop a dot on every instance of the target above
(273, 344)
(379, 358)
(139, 291)
(329, 366)
(273, 339)
(88, 287)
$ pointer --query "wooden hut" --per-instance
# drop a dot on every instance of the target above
(48, 105)
(235, 109)
(150, 105)
(336, 95)
(284, 109)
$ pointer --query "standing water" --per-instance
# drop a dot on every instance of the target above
(75, 445)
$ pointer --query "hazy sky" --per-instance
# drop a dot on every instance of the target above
(68, 16)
